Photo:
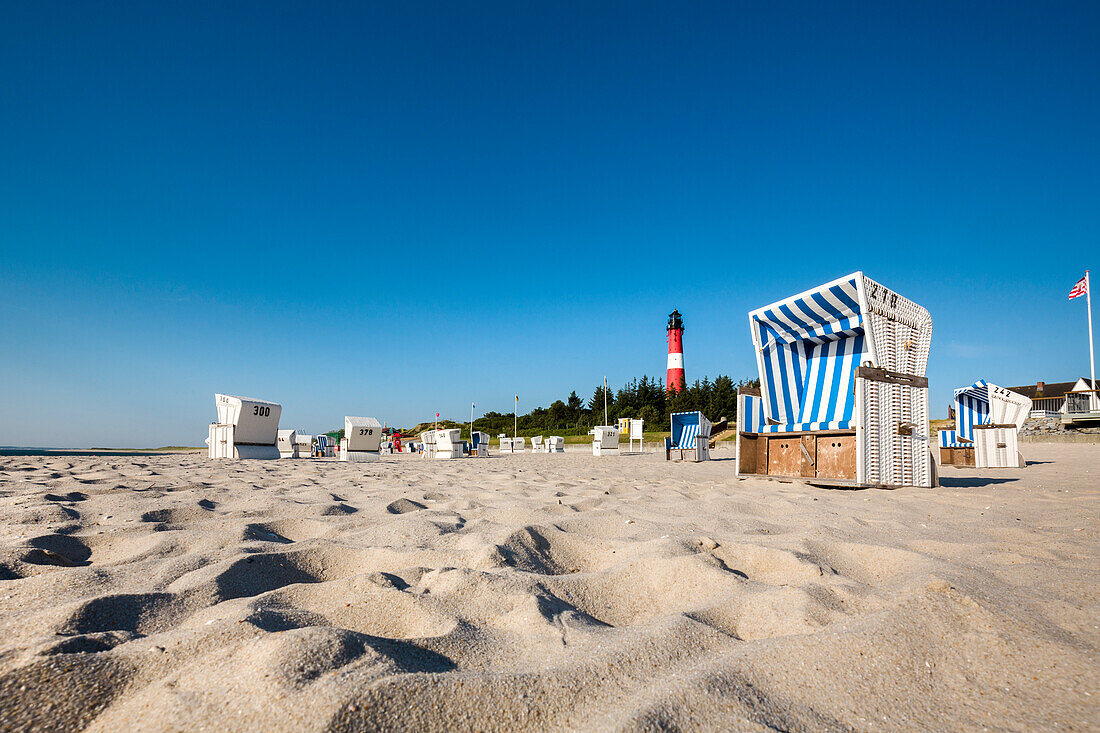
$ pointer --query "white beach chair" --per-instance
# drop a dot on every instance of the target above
(427, 442)
(988, 419)
(479, 444)
(287, 441)
(246, 428)
(448, 443)
(690, 439)
(843, 396)
(605, 440)
(555, 444)
(536, 444)
(636, 434)
(305, 445)
(362, 441)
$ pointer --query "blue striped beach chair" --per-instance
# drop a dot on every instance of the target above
(987, 423)
(843, 395)
(690, 439)
(322, 444)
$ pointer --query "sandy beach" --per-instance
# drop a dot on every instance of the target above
(544, 592)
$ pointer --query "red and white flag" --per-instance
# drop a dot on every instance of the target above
(1081, 288)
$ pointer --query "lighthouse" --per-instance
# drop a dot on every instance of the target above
(674, 381)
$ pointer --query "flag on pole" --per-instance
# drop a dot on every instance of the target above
(1081, 288)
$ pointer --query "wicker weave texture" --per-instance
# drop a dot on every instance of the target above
(900, 330)
(888, 456)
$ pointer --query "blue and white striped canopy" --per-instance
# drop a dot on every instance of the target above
(750, 413)
(973, 408)
(322, 442)
(950, 439)
(686, 428)
(808, 347)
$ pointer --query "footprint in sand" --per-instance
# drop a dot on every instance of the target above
(71, 496)
(57, 549)
(335, 510)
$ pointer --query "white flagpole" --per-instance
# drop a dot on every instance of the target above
(1092, 358)
(515, 414)
(605, 399)
(472, 406)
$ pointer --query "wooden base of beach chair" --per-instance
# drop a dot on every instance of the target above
(956, 456)
(698, 454)
(827, 454)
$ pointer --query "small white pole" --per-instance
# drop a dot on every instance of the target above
(472, 406)
(515, 414)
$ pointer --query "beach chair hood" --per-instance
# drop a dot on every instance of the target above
(363, 434)
(809, 345)
(255, 422)
(687, 428)
(985, 403)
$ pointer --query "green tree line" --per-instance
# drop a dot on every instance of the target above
(643, 398)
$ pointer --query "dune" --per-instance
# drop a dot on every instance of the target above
(561, 592)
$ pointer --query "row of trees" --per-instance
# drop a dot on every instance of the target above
(643, 398)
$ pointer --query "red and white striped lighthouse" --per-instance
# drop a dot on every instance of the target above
(674, 381)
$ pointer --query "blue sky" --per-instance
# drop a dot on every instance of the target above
(399, 209)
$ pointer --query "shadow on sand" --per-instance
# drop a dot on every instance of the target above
(955, 482)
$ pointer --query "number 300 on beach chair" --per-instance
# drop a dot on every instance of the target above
(843, 395)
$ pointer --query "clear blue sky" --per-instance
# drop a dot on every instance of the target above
(400, 209)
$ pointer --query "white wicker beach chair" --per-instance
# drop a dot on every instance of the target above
(536, 444)
(362, 440)
(287, 441)
(246, 428)
(427, 441)
(305, 445)
(605, 440)
(636, 434)
(479, 444)
(988, 419)
(843, 395)
(555, 444)
(448, 443)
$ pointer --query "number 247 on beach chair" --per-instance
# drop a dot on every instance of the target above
(843, 394)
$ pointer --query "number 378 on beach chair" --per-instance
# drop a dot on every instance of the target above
(987, 422)
(843, 394)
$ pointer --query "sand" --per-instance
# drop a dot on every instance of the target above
(544, 592)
